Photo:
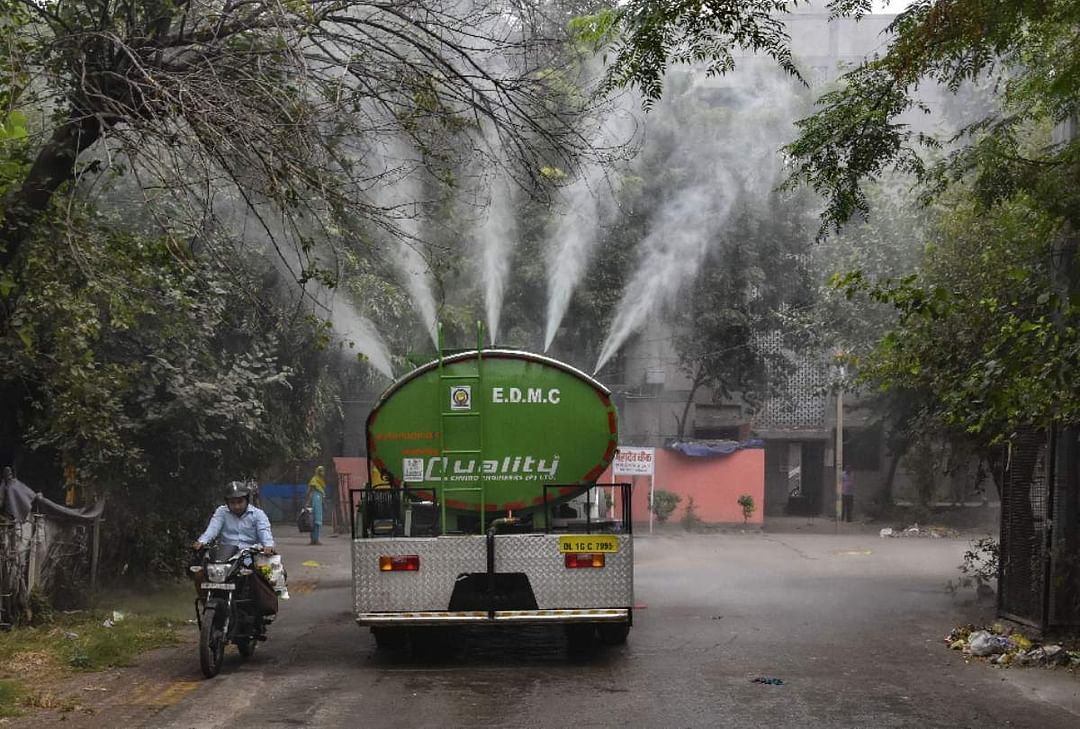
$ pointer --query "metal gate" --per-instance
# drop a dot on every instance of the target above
(1039, 568)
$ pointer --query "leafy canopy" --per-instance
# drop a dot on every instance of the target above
(1028, 50)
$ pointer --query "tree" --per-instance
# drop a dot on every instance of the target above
(977, 326)
(1025, 48)
(155, 379)
(743, 292)
(643, 37)
(288, 109)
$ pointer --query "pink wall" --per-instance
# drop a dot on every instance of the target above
(715, 482)
(351, 474)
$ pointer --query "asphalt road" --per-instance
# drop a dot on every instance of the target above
(852, 625)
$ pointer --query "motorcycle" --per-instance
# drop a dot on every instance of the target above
(235, 603)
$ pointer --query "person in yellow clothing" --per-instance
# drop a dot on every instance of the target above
(316, 492)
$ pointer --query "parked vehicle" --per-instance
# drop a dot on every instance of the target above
(484, 505)
(235, 604)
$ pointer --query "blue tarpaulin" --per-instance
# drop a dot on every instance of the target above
(282, 501)
(700, 449)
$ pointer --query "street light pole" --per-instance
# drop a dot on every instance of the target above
(839, 449)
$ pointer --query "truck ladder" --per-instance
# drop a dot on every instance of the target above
(468, 436)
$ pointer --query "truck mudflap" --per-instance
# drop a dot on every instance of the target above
(473, 617)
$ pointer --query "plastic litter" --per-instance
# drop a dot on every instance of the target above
(886, 532)
(985, 643)
(768, 680)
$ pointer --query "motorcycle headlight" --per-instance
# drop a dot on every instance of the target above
(217, 572)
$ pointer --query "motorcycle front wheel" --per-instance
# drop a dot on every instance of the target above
(211, 644)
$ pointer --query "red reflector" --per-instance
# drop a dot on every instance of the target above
(399, 562)
(577, 561)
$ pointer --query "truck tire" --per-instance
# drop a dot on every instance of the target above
(579, 637)
(613, 633)
(246, 646)
(388, 639)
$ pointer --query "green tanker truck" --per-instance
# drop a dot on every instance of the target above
(484, 505)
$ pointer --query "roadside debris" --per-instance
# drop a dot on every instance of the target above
(1008, 649)
(116, 617)
(768, 680)
(930, 532)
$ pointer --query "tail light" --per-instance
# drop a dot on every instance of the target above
(577, 561)
(399, 563)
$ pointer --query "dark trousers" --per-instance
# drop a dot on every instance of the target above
(847, 506)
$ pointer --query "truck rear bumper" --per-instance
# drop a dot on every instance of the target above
(481, 617)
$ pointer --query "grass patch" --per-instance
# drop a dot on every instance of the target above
(82, 642)
(172, 600)
(92, 640)
(98, 647)
(10, 695)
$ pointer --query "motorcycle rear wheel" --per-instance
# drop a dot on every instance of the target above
(211, 644)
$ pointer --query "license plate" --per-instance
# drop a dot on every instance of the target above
(588, 543)
(218, 586)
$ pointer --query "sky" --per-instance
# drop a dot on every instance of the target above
(885, 6)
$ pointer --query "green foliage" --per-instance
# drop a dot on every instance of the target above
(852, 139)
(100, 647)
(746, 503)
(742, 290)
(596, 30)
(151, 425)
(13, 121)
(10, 695)
(1027, 49)
(39, 609)
(644, 37)
(981, 562)
(981, 330)
(690, 519)
(664, 503)
(90, 641)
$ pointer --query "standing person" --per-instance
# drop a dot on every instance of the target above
(847, 493)
(316, 492)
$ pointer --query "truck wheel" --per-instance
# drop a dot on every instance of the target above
(430, 643)
(246, 646)
(579, 637)
(612, 633)
(388, 639)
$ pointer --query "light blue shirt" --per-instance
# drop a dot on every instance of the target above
(251, 527)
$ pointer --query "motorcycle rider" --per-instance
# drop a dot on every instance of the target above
(238, 523)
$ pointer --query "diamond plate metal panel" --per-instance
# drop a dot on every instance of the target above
(442, 559)
(538, 556)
